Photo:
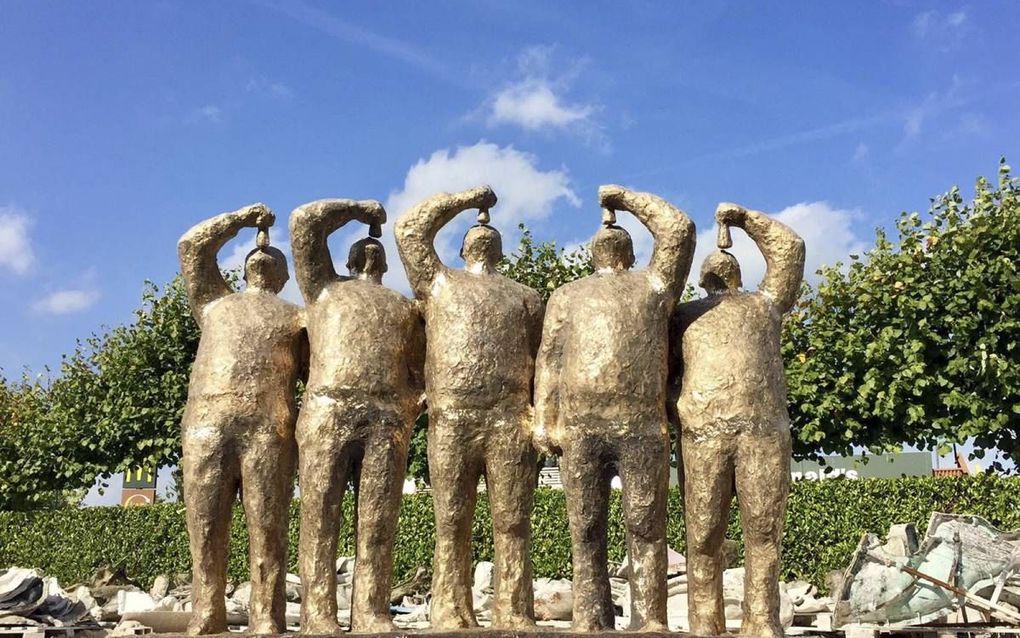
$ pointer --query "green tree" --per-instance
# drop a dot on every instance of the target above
(115, 405)
(918, 340)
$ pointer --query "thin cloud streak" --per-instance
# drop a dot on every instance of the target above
(353, 34)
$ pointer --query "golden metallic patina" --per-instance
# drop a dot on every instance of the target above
(483, 331)
(735, 430)
(238, 426)
(600, 401)
(364, 392)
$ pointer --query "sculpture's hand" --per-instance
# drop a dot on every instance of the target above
(258, 215)
(375, 214)
(611, 196)
(482, 197)
(727, 214)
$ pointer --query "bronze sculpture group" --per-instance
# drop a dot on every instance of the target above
(592, 378)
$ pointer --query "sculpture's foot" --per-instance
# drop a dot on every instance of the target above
(321, 626)
(451, 622)
(706, 627)
(653, 626)
(205, 624)
(589, 625)
(513, 621)
(264, 627)
(756, 629)
(372, 624)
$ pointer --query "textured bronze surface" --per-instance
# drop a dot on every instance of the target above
(735, 429)
(600, 401)
(364, 392)
(238, 426)
(483, 330)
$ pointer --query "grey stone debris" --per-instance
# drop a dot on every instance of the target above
(904, 580)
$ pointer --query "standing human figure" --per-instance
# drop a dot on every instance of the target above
(364, 392)
(238, 425)
(483, 330)
(735, 430)
(600, 401)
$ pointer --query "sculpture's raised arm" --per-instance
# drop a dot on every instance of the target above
(417, 228)
(671, 228)
(310, 227)
(782, 248)
(197, 250)
(545, 434)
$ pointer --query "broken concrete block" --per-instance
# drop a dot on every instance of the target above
(554, 599)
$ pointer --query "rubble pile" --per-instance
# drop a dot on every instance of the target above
(962, 570)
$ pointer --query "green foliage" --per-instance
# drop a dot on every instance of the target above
(116, 405)
(918, 340)
(542, 267)
(824, 523)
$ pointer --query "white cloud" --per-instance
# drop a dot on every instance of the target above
(536, 100)
(861, 153)
(827, 232)
(525, 192)
(532, 104)
(206, 113)
(15, 246)
(63, 302)
(938, 30)
(262, 84)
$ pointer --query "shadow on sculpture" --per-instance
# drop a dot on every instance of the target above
(483, 331)
(364, 392)
(735, 430)
(600, 402)
(238, 425)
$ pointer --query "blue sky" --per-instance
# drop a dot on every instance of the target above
(121, 124)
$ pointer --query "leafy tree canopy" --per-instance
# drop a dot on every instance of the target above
(918, 340)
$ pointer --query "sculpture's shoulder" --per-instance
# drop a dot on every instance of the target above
(574, 289)
(527, 293)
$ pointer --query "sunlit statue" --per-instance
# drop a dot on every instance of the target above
(238, 426)
(483, 330)
(735, 430)
(364, 392)
(600, 401)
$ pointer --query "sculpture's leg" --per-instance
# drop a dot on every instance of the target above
(380, 489)
(708, 491)
(324, 468)
(211, 479)
(644, 473)
(763, 483)
(586, 483)
(455, 467)
(511, 478)
(267, 485)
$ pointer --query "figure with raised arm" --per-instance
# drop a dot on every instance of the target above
(600, 402)
(735, 430)
(483, 331)
(364, 392)
(238, 425)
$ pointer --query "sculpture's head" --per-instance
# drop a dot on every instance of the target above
(720, 272)
(266, 269)
(367, 259)
(482, 248)
(612, 249)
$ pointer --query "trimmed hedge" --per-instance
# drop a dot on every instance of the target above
(824, 523)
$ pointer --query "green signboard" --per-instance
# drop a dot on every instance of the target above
(870, 466)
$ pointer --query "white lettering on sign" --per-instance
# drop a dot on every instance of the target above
(823, 474)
